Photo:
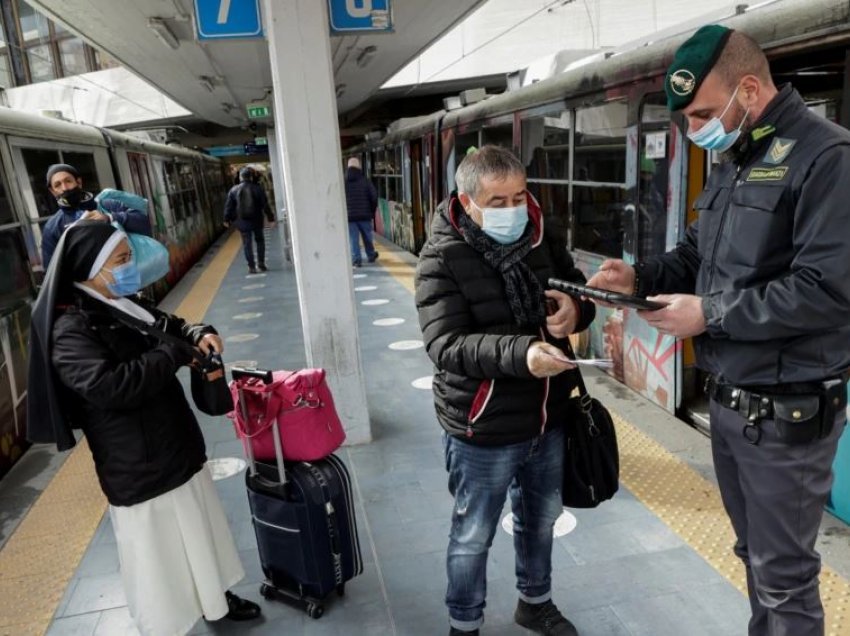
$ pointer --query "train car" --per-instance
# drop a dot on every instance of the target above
(185, 189)
(605, 157)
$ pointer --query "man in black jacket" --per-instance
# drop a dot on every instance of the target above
(500, 390)
(361, 199)
(248, 206)
(762, 282)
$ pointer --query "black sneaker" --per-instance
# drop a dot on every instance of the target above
(252, 270)
(374, 258)
(454, 631)
(543, 618)
(263, 267)
(240, 609)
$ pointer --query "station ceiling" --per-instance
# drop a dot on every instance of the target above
(217, 79)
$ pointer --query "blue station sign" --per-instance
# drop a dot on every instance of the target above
(217, 19)
(347, 16)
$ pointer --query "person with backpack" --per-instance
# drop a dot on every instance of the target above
(247, 206)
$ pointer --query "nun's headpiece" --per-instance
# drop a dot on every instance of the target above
(80, 253)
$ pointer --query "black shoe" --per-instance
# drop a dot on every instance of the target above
(543, 618)
(240, 609)
(252, 270)
(454, 631)
(263, 267)
(374, 258)
(357, 264)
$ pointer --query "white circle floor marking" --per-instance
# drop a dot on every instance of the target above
(254, 286)
(388, 322)
(366, 288)
(253, 315)
(225, 467)
(375, 301)
(406, 345)
(360, 276)
(564, 524)
(260, 275)
(423, 383)
(242, 337)
(251, 299)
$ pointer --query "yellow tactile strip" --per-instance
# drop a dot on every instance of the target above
(691, 506)
(41, 556)
(681, 498)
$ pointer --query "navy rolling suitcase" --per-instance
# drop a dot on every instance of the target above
(303, 516)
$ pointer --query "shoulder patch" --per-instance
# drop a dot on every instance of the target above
(779, 150)
(768, 174)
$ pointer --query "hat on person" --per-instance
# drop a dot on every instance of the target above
(692, 62)
(56, 168)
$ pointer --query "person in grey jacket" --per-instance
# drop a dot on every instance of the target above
(762, 282)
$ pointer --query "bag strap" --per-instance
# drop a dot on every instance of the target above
(150, 330)
(584, 396)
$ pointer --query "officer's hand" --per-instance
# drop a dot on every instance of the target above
(545, 360)
(210, 342)
(613, 275)
(562, 322)
(682, 317)
(94, 215)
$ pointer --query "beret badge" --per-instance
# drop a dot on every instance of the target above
(682, 82)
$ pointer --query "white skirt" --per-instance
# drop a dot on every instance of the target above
(177, 557)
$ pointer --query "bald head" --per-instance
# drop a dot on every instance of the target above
(354, 162)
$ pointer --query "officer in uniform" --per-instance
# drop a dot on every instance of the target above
(762, 282)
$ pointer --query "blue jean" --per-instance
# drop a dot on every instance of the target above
(356, 229)
(248, 247)
(479, 479)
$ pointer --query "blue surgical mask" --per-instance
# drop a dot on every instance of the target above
(127, 279)
(713, 136)
(504, 225)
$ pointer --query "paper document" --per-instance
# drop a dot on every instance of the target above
(602, 363)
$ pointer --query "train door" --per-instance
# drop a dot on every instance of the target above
(141, 181)
(416, 199)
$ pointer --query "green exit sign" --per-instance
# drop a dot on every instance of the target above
(255, 112)
(261, 141)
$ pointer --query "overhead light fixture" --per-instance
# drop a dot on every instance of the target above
(165, 35)
(366, 56)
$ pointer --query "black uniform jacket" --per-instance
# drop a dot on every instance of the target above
(770, 254)
(120, 387)
(483, 390)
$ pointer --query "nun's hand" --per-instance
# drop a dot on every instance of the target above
(94, 215)
(210, 343)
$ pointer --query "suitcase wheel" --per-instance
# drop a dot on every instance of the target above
(315, 610)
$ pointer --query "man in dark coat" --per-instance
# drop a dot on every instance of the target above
(761, 281)
(65, 183)
(502, 383)
(248, 206)
(361, 199)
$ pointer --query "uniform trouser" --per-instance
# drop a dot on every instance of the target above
(257, 234)
(774, 493)
(479, 479)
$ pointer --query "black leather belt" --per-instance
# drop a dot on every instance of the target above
(752, 406)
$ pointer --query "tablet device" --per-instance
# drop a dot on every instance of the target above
(595, 293)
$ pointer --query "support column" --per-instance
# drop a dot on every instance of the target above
(307, 139)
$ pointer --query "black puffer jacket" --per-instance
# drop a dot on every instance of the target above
(483, 390)
(120, 388)
(361, 199)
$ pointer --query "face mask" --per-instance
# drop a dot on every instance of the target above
(76, 198)
(713, 136)
(504, 225)
(127, 279)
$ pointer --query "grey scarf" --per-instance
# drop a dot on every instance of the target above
(523, 290)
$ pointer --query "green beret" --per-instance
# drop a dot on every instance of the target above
(692, 62)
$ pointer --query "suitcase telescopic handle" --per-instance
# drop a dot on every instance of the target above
(244, 372)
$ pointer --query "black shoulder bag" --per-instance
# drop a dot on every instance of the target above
(209, 384)
(591, 457)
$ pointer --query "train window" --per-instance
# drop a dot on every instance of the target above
(546, 155)
(654, 171)
(15, 281)
(37, 162)
(463, 142)
(501, 134)
(84, 163)
(599, 176)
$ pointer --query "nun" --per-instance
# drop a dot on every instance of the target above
(89, 370)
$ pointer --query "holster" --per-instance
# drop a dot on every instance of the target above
(801, 418)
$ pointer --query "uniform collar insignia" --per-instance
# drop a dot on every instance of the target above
(762, 131)
(779, 150)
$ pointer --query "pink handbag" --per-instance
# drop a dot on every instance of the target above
(302, 404)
